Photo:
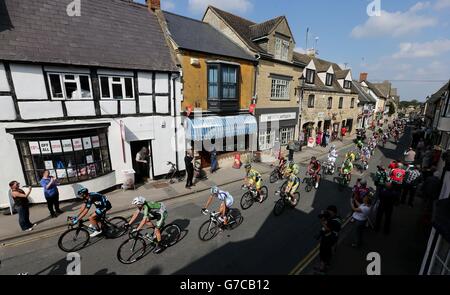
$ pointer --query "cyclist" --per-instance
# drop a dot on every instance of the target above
(359, 144)
(292, 186)
(351, 156)
(346, 169)
(152, 211)
(385, 137)
(365, 156)
(282, 163)
(226, 202)
(314, 170)
(332, 154)
(102, 205)
(254, 178)
(291, 167)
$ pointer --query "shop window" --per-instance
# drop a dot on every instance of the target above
(286, 135)
(69, 159)
(266, 140)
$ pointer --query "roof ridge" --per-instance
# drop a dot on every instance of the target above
(266, 21)
(186, 17)
(220, 10)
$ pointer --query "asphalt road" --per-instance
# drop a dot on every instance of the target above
(262, 244)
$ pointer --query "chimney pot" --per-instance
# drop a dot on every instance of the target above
(154, 4)
(363, 77)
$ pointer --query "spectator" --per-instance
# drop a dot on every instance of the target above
(392, 165)
(431, 188)
(327, 138)
(427, 158)
(410, 156)
(22, 205)
(189, 169)
(412, 180)
(361, 212)
(360, 190)
(302, 139)
(291, 148)
(381, 177)
(213, 160)
(329, 233)
(397, 176)
(387, 197)
(143, 169)
(51, 193)
(343, 131)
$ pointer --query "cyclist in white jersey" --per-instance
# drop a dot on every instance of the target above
(225, 205)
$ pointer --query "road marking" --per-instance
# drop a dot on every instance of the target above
(306, 261)
(27, 241)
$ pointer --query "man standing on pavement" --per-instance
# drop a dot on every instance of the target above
(410, 156)
(412, 180)
(291, 150)
(387, 199)
(397, 175)
(361, 213)
(329, 233)
(51, 193)
(189, 169)
(22, 205)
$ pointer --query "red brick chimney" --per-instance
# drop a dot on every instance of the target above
(154, 4)
(363, 77)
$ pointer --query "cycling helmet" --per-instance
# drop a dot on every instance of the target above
(363, 182)
(214, 190)
(333, 147)
(248, 166)
(82, 191)
(139, 201)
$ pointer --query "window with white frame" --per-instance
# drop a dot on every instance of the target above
(280, 89)
(114, 87)
(281, 49)
(329, 79)
(69, 86)
(310, 74)
(266, 140)
(347, 84)
(286, 135)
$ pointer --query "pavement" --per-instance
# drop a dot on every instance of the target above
(154, 190)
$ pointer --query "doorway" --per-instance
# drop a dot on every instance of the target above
(349, 125)
(142, 171)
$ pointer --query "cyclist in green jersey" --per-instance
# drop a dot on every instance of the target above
(152, 211)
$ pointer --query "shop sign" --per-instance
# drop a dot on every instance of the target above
(278, 117)
(34, 148)
(45, 147)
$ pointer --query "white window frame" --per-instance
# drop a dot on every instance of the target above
(348, 83)
(281, 49)
(62, 81)
(264, 144)
(313, 73)
(329, 76)
(280, 89)
(111, 82)
(286, 135)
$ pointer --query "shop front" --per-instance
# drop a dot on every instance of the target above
(220, 135)
(276, 127)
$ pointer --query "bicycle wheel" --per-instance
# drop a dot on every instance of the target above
(265, 193)
(279, 207)
(131, 250)
(308, 186)
(274, 176)
(283, 187)
(73, 240)
(208, 230)
(170, 235)
(116, 227)
(247, 201)
(297, 199)
(235, 219)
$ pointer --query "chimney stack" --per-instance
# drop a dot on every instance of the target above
(363, 77)
(154, 4)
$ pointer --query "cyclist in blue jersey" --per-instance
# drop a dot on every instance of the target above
(225, 205)
(102, 205)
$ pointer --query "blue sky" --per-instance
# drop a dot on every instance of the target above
(409, 40)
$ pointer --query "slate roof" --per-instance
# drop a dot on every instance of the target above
(109, 33)
(247, 29)
(375, 89)
(342, 74)
(362, 94)
(196, 35)
(384, 88)
(438, 94)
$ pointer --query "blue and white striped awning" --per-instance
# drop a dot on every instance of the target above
(207, 128)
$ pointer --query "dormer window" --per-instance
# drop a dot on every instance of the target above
(329, 79)
(281, 49)
(347, 84)
(310, 74)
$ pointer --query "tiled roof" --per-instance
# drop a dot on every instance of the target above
(342, 74)
(263, 29)
(108, 33)
(375, 89)
(362, 94)
(196, 35)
